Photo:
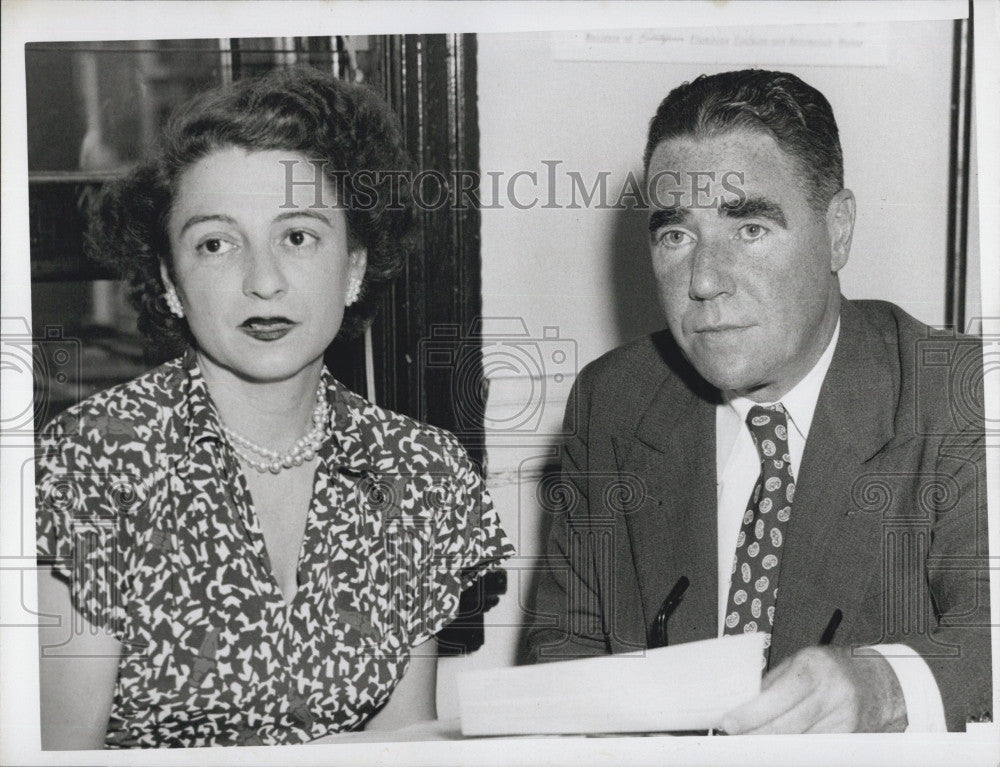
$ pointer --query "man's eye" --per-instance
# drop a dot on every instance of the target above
(215, 246)
(675, 238)
(298, 238)
(752, 231)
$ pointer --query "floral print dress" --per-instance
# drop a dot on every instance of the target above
(143, 510)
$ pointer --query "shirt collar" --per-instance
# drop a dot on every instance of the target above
(800, 402)
(348, 416)
(351, 417)
(201, 419)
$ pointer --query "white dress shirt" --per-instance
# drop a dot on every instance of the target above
(738, 466)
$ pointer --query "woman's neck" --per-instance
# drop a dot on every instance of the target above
(273, 414)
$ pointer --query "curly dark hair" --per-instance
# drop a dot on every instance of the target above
(345, 127)
(797, 115)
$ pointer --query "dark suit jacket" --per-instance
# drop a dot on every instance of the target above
(888, 524)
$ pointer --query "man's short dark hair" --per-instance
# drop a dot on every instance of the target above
(797, 115)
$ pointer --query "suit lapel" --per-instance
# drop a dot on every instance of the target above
(673, 532)
(832, 550)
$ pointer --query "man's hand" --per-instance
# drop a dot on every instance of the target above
(823, 689)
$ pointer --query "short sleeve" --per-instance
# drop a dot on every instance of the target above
(466, 541)
(77, 523)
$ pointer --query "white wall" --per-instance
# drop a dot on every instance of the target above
(586, 274)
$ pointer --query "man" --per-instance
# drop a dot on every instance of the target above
(777, 433)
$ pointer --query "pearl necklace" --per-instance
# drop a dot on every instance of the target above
(263, 459)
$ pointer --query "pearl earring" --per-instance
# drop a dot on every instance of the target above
(352, 292)
(174, 302)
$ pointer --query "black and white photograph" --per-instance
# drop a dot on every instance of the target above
(500, 383)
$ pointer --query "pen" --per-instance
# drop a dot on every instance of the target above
(659, 638)
(831, 627)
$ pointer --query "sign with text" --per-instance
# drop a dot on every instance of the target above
(860, 45)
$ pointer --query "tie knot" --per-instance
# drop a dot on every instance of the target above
(769, 428)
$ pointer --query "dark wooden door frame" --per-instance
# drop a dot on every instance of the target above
(960, 147)
(430, 80)
(426, 342)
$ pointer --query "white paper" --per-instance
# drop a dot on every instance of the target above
(687, 687)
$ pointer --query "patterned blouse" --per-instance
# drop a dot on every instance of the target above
(143, 510)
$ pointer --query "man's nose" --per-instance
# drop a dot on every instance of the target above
(263, 277)
(711, 272)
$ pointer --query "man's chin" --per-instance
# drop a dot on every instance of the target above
(725, 375)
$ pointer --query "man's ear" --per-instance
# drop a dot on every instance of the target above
(840, 227)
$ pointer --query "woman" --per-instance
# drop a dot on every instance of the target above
(254, 554)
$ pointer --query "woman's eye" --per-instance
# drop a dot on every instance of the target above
(298, 238)
(752, 231)
(215, 246)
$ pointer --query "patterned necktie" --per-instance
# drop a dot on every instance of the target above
(754, 587)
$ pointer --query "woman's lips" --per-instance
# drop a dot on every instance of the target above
(268, 328)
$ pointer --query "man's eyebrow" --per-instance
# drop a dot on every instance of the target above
(666, 217)
(754, 207)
